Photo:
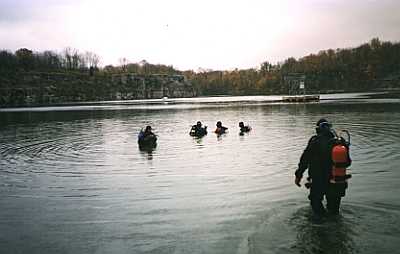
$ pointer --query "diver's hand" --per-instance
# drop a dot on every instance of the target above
(297, 181)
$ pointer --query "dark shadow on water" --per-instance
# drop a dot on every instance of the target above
(331, 234)
(148, 151)
(294, 230)
(198, 139)
(221, 136)
(241, 133)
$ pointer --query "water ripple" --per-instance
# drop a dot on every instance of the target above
(81, 176)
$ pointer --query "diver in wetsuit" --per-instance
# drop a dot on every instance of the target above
(220, 129)
(147, 137)
(147, 132)
(244, 128)
(197, 130)
(317, 158)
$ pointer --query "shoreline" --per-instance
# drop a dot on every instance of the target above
(378, 94)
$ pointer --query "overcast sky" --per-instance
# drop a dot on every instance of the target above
(188, 34)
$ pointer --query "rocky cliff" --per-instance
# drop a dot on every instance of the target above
(38, 88)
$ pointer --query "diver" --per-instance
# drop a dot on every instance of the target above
(317, 158)
(147, 137)
(220, 129)
(244, 128)
(198, 130)
(147, 132)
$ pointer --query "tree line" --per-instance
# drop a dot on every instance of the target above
(25, 59)
(71, 60)
(349, 69)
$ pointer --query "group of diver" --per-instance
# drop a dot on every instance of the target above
(147, 138)
(198, 130)
(326, 158)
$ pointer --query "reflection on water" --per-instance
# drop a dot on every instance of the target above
(147, 151)
(300, 232)
(75, 180)
(327, 235)
(293, 229)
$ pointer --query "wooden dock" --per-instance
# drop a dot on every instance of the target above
(300, 98)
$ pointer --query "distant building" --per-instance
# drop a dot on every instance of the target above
(295, 83)
(296, 87)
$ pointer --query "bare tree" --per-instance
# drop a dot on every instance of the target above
(67, 55)
(71, 58)
(123, 62)
(92, 59)
(76, 60)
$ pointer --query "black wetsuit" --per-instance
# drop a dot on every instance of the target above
(147, 134)
(245, 129)
(317, 158)
(198, 131)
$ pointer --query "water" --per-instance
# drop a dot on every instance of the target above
(74, 181)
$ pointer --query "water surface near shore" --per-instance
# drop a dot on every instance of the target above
(74, 181)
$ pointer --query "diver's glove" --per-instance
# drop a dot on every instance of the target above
(297, 181)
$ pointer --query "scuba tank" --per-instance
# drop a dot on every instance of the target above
(340, 158)
(193, 131)
(340, 161)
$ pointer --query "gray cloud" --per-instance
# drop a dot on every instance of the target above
(13, 12)
(20, 11)
(309, 26)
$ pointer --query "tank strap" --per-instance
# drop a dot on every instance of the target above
(340, 164)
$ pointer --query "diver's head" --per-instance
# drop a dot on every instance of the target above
(241, 124)
(148, 128)
(323, 126)
(219, 124)
(198, 124)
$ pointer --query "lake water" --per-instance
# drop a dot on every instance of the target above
(72, 179)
